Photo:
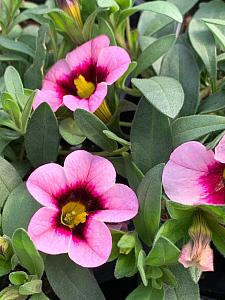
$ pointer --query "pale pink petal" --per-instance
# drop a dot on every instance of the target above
(58, 72)
(45, 234)
(73, 102)
(206, 261)
(120, 204)
(87, 52)
(182, 174)
(97, 172)
(97, 98)
(115, 60)
(220, 151)
(94, 247)
(46, 182)
(185, 255)
(51, 97)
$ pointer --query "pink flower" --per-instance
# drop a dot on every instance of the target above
(80, 80)
(195, 175)
(78, 198)
(197, 252)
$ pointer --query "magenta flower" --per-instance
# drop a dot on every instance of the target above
(78, 198)
(195, 175)
(81, 79)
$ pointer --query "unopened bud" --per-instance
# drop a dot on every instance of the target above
(6, 251)
(72, 8)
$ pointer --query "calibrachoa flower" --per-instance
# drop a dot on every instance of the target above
(78, 198)
(195, 175)
(197, 252)
(81, 79)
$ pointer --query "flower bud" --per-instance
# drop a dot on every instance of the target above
(72, 8)
(6, 251)
(197, 252)
(127, 243)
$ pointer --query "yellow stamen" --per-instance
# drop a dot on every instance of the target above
(103, 112)
(84, 88)
(73, 213)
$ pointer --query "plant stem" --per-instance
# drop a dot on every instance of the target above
(125, 124)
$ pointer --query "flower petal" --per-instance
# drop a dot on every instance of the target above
(73, 102)
(120, 204)
(185, 256)
(87, 52)
(46, 182)
(115, 60)
(206, 260)
(58, 72)
(220, 151)
(98, 172)
(181, 175)
(97, 98)
(45, 234)
(94, 247)
(49, 96)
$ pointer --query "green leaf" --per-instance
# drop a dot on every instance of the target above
(108, 4)
(105, 28)
(193, 127)
(42, 136)
(12, 108)
(125, 265)
(34, 75)
(153, 52)
(175, 230)
(112, 136)
(12, 57)
(146, 293)
(169, 278)
(213, 103)
(159, 7)
(218, 34)
(149, 195)
(27, 111)
(204, 44)
(11, 293)
(18, 277)
(29, 258)
(9, 179)
(9, 44)
(133, 173)
(40, 296)
(180, 64)
(70, 281)
(116, 236)
(30, 288)
(89, 23)
(186, 288)
(70, 131)
(163, 253)
(141, 267)
(151, 141)
(13, 82)
(5, 268)
(218, 234)
(93, 128)
(18, 210)
(164, 93)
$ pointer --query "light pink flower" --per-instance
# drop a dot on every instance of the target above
(195, 175)
(81, 79)
(197, 252)
(78, 198)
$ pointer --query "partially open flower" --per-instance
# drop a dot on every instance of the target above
(72, 8)
(78, 199)
(195, 175)
(81, 79)
(197, 252)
